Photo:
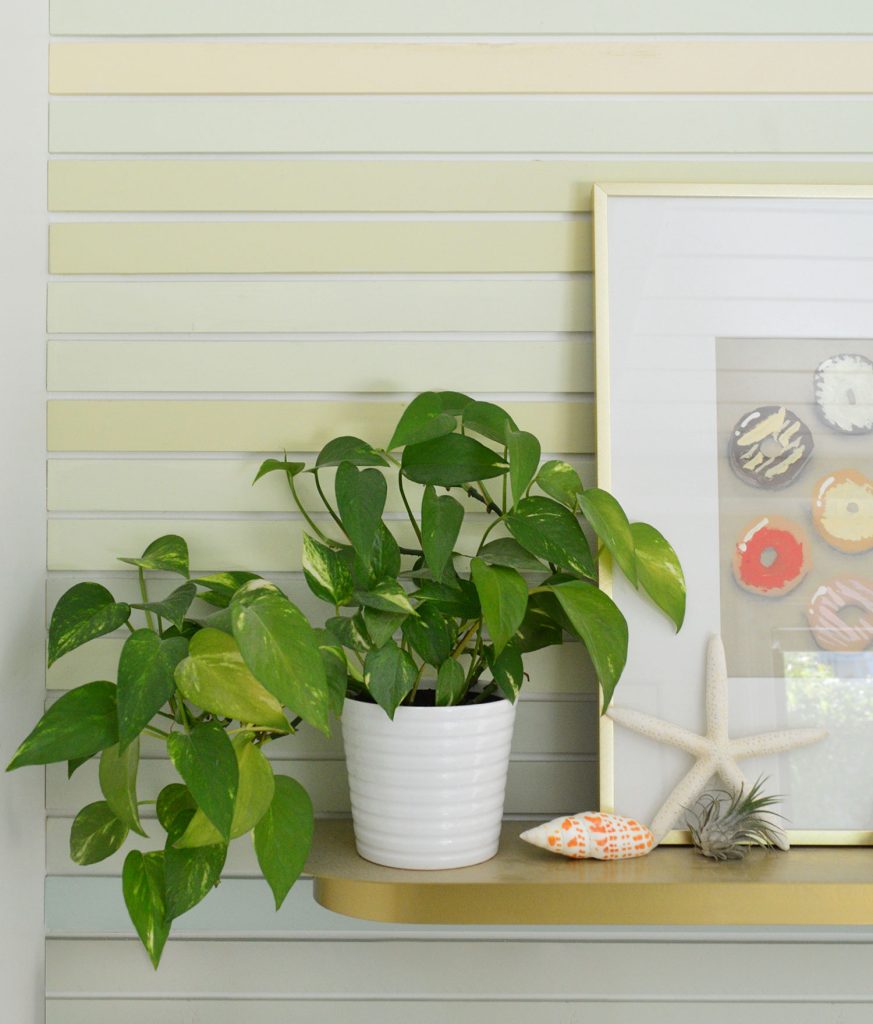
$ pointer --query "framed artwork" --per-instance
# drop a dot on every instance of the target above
(734, 354)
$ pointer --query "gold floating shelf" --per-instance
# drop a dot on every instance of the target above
(671, 886)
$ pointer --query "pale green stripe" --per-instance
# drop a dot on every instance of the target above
(321, 306)
(401, 1011)
(541, 728)
(468, 125)
(561, 366)
(252, 426)
(201, 485)
(535, 788)
(398, 185)
(321, 247)
(488, 17)
(441, 971)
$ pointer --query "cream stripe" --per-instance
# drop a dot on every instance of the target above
(302, 366)
(558, 17)
(200, 485)
(465, 125)
(439, 68)
(420, 186)
(320, 306)
(366, 246)
(253, 426)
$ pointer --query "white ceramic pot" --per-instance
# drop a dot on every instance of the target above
(427, 788)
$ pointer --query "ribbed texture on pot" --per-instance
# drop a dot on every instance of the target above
(427, 789)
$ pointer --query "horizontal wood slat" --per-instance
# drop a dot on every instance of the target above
(441, 970)
(201, 485)
(252, 426)
(418, 186)
(400, 1011)
(462, 125)
(320, 306)
(564, 670)
(491, 17)
(537, 788)
(325, 247)
(562, 366)
(673, 67)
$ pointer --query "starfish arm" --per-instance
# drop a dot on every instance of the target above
(716, 690)
(682, 797)
(731, 775)
(774, 742)
(663, 732)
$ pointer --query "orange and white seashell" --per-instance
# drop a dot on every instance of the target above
(590, 834)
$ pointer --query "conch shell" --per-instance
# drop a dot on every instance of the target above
(590, 834)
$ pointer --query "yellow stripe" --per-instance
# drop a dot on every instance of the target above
(301, 366)
(823, 67)
(320, 306)
(318, 247)
(469, 124)
(484, 17)
(202, 485)
(257, 426)
(374, 186)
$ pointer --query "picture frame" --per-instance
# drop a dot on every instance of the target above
(713, 302)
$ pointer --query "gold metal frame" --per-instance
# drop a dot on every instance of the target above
(601, 196)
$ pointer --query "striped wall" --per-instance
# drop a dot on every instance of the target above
(270, 223)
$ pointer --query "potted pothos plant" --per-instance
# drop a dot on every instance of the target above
(435, 610)
(215, 689)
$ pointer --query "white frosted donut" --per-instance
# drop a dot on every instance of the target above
(832, 632)
(844, 393)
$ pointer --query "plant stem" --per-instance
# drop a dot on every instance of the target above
(305, 514)
(462, 643)
(327, 504)
(130, 627)
(414, 689)
(503, 479)
(491, 526)
(153, 730)
(490, 506)
(256, 728)
(408, 509)
(150, 622)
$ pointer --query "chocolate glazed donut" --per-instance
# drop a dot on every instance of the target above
(769, 447)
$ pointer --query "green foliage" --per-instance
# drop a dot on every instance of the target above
(187, 683)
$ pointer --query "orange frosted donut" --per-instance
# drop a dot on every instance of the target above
(833, 632)
(771, 556)
(842, 510)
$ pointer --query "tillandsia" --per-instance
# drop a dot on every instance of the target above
(212, 690)
(420, 587)
(724, 826)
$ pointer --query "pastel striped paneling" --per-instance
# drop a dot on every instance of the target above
(457, 17)
(390, 186)
(269, 426)
(450, 68)
(462, 125)
(308, 306)
(269, 247)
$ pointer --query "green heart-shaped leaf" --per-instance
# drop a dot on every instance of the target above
(507, 551)
(387, 596)
(220, 587)
(507, 670)
(597, 621)
(142, 882)
(489, 420)
(450, 461)
(280, 648)
(96, 834)
(173, 799)
(659, 571)
(189, 874)
(503, 596)
(80, 723)
(174, 606)
(145, 679)
(451, 684)
(206, 761)
(84, 612)
(118, 771)
(441, 519)
(389, 675)
(360, 498)
(283, 836)
(290, 469)
(216, 679)
(429, 634)
(326, 572)
(612, 527)
(381, 626)
(550, 531)
(166, 554)
(560, 481)
(422, 419)
(523, 451)
(349, 449)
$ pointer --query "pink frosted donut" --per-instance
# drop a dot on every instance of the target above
(832, 632)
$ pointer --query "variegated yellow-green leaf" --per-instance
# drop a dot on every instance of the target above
(84, 612)
(117, 774)
(283, 836)
(206, 760)
(96, 834)
(142, 882)
(503, 596)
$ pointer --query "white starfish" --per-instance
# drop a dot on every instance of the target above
(715, 753)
